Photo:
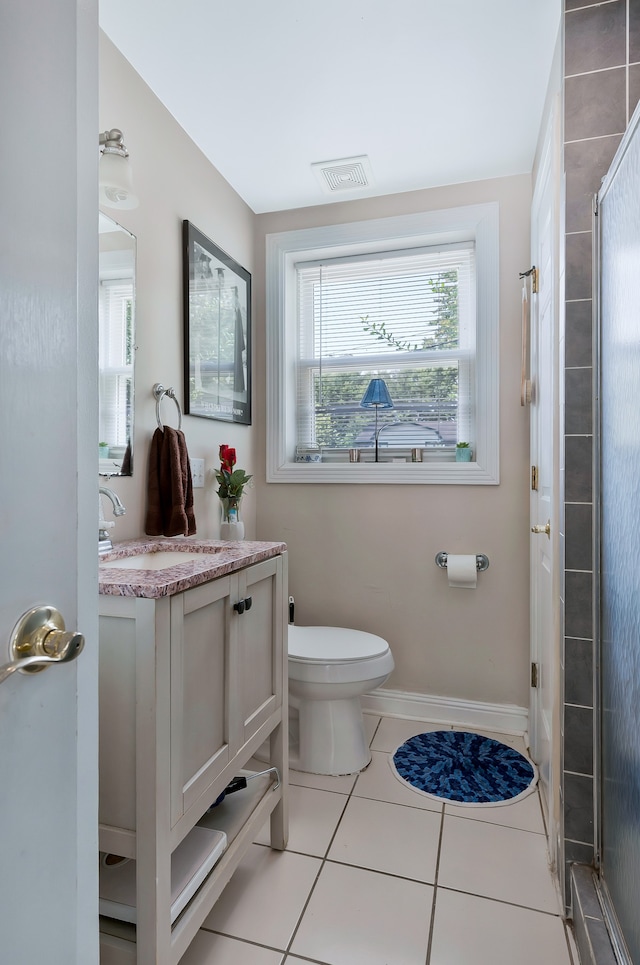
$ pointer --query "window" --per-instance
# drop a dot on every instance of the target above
(406, 317)
(115, 303)
(412, 300)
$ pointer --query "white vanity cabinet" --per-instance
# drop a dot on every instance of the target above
(190, 686)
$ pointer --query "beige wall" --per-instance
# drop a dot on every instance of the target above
(173, 181)
(363, 555)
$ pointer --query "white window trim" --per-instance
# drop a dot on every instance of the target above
(477, 223)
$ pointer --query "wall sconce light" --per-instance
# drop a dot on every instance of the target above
(116, 182)
(376, 397)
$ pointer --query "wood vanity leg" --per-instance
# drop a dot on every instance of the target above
(280, 759)
(153, 856)
(279, 741)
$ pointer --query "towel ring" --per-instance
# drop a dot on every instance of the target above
(159, 392)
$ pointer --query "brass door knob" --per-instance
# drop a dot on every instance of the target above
(543, 529)
(39, 639)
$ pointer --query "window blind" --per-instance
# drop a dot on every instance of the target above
(115, 359)
(407, 317)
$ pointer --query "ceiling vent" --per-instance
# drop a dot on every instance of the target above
(347, 174)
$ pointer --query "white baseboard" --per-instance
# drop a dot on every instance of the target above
(499, 718)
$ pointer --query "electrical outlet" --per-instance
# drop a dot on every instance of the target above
(197, 473)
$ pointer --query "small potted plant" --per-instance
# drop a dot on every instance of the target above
(103, 450)
(463, 452)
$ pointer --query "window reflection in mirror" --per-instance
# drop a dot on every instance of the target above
(116, 299)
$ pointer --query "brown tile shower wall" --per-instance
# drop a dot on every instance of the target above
(601, 90)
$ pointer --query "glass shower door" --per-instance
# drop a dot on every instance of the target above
(618, 509)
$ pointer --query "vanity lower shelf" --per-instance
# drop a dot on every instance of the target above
(201, 865)
(191, 862)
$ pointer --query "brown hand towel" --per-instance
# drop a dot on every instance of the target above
(170, 488)
(153, 525)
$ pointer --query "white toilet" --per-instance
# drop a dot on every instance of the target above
(330, 668)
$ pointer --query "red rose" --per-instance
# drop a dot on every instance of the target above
(227, 458)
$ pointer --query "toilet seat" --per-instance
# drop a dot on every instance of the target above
(334, 655)
(338, 645)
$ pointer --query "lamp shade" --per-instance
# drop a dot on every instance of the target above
(116, 183)
(377, 396)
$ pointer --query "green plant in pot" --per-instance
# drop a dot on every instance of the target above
(463, 452)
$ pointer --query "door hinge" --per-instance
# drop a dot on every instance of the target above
(535, 674)
(534, 479)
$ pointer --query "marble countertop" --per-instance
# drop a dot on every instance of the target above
(214, 558)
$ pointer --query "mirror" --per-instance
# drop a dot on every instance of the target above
(116, 354)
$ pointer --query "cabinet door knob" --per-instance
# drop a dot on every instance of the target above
(239, 606)
(248, 603)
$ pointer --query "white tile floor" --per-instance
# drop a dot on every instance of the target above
(377, 874)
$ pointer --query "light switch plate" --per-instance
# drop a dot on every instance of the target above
(197, 473)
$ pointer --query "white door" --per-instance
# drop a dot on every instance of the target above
(545, 631)
(48, 475)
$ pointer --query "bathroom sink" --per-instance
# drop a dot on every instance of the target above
(161, 560)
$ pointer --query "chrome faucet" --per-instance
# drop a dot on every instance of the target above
(118, 508)
(104, 540)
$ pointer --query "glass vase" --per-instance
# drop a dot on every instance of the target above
(231, 526)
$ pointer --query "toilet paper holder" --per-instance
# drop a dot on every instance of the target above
(482, 561)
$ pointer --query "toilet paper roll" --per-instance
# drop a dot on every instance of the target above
(462, 571)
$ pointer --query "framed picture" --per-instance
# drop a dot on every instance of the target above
(217, 331)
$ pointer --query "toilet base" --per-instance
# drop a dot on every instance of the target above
(319, 751)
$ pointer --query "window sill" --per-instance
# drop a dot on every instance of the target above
(442, 472)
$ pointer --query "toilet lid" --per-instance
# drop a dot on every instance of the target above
(337, 644)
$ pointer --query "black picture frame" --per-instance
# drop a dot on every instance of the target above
(217, 331)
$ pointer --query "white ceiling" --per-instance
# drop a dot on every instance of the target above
(432, 91)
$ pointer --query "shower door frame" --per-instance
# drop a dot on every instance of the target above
(608, 908)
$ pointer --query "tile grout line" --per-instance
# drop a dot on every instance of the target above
(495, 824)
(245, 941)
(324, 858)
(286, 952)
(377, 871)
(503, 901)
(544, 820)
(435, 889)
(303, 958)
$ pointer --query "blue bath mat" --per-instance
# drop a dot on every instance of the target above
(463, 768)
